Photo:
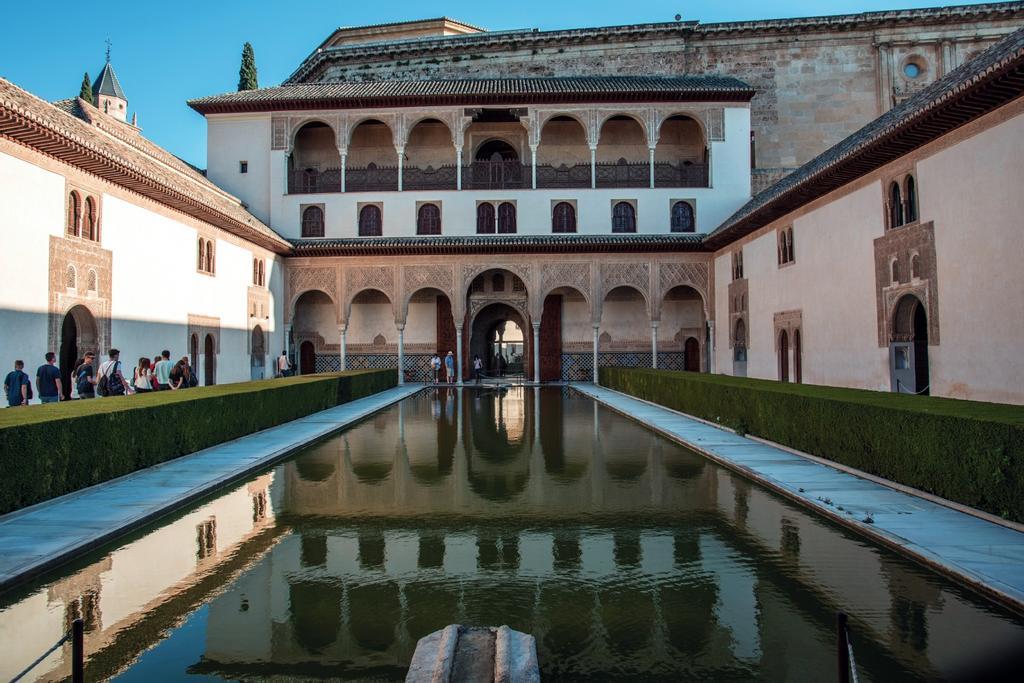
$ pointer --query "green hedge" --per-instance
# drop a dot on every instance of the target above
(50, 450)
(966, 451)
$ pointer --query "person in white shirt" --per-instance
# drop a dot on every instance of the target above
(435, 366)
(283, 366)
(163, 371)
(478, 368)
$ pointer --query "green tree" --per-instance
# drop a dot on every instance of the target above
(86, 93)
(247, 72)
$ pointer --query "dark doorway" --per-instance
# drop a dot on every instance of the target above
(783, 356)
(193, 352)
(209, 355)
(496, 150)
(307, 358)
(691, 355)
(78, 334)
(257, 354)
(500, 337)
(908, 348)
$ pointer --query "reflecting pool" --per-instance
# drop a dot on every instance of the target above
(626, 555)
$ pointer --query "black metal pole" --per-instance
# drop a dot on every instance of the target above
(842, 650)
(78, 651)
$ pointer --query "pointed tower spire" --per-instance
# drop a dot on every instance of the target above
(107, 94)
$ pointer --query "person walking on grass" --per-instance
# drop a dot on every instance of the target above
(162, 371)
(111, 378)
(85, 376)
(48, 380)
(17, 386)
(449, 367)
(142, 382)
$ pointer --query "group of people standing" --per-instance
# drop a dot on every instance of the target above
(110, 378)
(449, 368)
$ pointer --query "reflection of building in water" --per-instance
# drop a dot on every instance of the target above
(130, 596)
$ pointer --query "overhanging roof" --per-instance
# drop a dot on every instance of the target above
(468, 92)
(498, 244)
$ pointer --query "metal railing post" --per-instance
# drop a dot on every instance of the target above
(842, 649)
(78, 651)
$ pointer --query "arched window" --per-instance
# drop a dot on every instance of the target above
(623, 218)
(428, 220)
(682, 217)
(210, 265)
(563, 218)
(783, 356)
(90, 232)
(911, 193)
(798, 369)
(313, 222)
(71, 278)
(255, 272)
(895, 272)
(485, 218)
(915, 266)
(201, 255)
(789, 245)
(895, 206)
(782, 247)
(261, 276)
(498, 283)
(370, 221)
(507, 218)
(74, 214)
(93, 281)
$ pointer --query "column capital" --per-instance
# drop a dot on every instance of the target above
(342, 327)
(400, 324)
(654, 323)
(536, 325)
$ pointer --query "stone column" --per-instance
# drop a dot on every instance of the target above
(401, 352)
(458, 168)
(536, 352)
(593, 167)
(711, 347)
(533, 166)
(401, 164)
(458, 355)
(344, 155)
(596, 330)
(287, 172)
(654, 344)
(651, 150)
(343, 329)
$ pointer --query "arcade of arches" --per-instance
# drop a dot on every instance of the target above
(531, 316)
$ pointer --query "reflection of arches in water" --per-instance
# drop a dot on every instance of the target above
(374, 611)
(558, 412)
(78, 335)
(315, 614)
(626, 548)
(313, 552)
(624, 446)
(497, 486)
(316, 465)
(569, 613)
(373, 472)
(431, 608)
(485, 327)
(499, 423)
(427, 466)
(684, 465)
(689, 613)
(627, 615)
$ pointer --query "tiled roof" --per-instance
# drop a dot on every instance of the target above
(354, 94)
(448, 244)
(80, 135)
(107, 84)
(990, 80)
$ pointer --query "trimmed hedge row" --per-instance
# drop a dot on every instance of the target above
(965, 451)
(49, 450)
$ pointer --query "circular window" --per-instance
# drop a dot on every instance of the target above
(912, 69)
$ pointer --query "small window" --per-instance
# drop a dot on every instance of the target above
(262, 279)
(498, 283)
(205, 260)
(507, 218)
(90, 229)
(313, 222)
(895, 206)
(623, 217)
(210, 264)
(428, 220)
(786, 247)
(563, 218)
(485, 218)
(912, 70)
(370, 221)
(915, 266)
(895, 272)
(74, 214)
(910, 187)
(243, 166)
(255, 272)
(93, 281)
(737, 265)
(682, 217)
(71, 278)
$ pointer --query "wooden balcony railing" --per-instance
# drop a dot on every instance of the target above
(563, 176)
(309, 181)
(416, 178)
(496, 175)
(685, 174)
(372, 178)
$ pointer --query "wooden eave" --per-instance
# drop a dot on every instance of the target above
(489, 246)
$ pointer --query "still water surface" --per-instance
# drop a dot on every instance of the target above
(626, 555)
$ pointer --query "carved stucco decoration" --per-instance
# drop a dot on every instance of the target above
(690, 274)
(790, 321)
(437, 276)
(575, 275)
(471, 270)
(636, 275)
(519, 303)
(201, 326)
(91, 290)
(304, 279)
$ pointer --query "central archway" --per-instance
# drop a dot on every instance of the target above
(499, 337)
(79, 334)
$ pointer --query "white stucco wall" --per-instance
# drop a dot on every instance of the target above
(241, 138)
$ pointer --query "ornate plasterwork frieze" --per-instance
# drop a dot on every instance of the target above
(573, 274)
(636, 275)
(788, 321)
(303, 279)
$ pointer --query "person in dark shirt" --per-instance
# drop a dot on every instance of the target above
(85, 377)
(48, 380)
(16, 385)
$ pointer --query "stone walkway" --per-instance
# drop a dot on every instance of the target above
(985, 555)
(40, 537)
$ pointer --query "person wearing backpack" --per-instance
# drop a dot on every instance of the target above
(17, 386)
(85, 377)
(48, 380)
(112, 381)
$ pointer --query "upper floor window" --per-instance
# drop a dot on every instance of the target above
(682, 217)
(910, 202)
(428, 220)
(205, 262)
(485, 218)
(74, 213)
(313, 221)
(507, 218)
(90, 227)
(563, 218)
(257, 272)
(786, 254)
(623, 217)
(895, 205)
(737, 265)
(243, 166)
(370, 221)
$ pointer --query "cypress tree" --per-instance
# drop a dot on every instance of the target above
(86, 93)
(247, 72)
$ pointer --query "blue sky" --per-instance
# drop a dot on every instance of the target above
(167, 52)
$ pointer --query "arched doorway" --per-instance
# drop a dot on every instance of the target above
(209, 359)
(691, 355)
(78, 334)
(307, 358)
(783, 356)
(908, 348)
(499, 337)
(193, 352)
(682, 326)
(257, 354)
(798, 361)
